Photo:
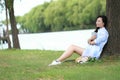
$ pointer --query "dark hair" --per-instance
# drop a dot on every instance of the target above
(96, 30)
(104, 19)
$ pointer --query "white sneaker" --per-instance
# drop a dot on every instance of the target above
(54, 63)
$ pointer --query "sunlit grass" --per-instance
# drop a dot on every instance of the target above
(33, 65)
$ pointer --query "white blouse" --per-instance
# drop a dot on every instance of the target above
(100, 41)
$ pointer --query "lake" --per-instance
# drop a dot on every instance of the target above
(53, 40)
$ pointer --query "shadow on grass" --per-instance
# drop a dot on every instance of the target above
(71, 60)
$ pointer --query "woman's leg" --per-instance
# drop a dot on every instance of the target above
(69, 52)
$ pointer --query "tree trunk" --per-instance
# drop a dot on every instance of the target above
(7, 31)
(9, 4)
(14, 29)
(113, 14)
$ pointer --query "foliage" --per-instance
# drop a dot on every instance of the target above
(33, 65)
(63, 15)
(34, 20)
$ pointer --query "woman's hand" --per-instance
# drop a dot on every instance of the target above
(91, 40)
(92, 43)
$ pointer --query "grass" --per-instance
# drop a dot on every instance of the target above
(33, 65)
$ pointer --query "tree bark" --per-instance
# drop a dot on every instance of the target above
(113, 14)
(14, 29)
(13, 23)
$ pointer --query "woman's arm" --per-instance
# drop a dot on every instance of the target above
(91, 40)
(102, 37)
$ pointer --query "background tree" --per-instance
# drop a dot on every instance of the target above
(9, 4)
(113, 14)
(7, 31)
(63, 15)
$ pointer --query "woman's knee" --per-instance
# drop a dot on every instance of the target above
(76, 49)
(72, 47)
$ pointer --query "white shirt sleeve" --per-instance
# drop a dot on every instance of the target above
(102, 37)
(94, 34)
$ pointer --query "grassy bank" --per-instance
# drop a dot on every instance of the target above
(33, 65)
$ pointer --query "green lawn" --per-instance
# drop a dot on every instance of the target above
(33, 65)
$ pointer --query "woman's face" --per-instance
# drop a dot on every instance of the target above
(99, 22)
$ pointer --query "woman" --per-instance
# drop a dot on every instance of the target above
(96, 43)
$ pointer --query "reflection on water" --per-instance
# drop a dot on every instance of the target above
(53, 40)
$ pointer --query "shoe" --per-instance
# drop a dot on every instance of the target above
(77, 60)
(83, 60)
(54, 63)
